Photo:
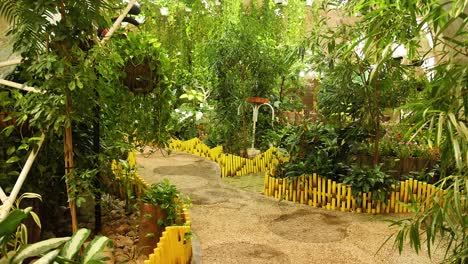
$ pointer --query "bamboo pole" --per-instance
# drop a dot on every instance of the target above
(10, 63)
(19, 182)
(19, 86)
(3, 196)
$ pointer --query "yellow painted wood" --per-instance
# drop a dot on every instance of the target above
(392, 201)
(324, 192)
(402, 191)
(348, 199)
(314, 197)
(364, 201)
(338, 193)
(408, 186)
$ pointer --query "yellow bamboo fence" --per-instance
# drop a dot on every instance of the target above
(231, 165)
(174, 246)
(325, 193)
(311, 189)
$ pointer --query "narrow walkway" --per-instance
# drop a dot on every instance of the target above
(235, 225)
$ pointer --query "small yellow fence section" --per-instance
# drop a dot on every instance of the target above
(128, 178)
(325, 193)
(174, 246)
(231, 165)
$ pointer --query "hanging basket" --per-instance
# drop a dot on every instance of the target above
(140, 77)
(257, 100)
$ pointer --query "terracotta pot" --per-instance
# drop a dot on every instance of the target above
(257, 100)
(149, 231)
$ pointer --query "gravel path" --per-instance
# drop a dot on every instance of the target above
(235, 223)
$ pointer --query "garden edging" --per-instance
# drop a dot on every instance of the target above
(311, 189)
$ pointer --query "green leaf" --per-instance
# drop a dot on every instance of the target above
(23, 146)
(48, 258)
(13, 159)
(8, 130)
(94, 248)
(6, 259)
(11, 150)
(12, 221)
(71, 86)
(39, 248)
(72, 246)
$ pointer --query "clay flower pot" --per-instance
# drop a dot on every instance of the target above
(257, 100)
(149, 231)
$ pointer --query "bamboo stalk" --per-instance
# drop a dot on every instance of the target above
(19, 182)
(3, 196)
(19, 86)
(10, 63)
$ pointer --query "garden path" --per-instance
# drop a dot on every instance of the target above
(235, 223)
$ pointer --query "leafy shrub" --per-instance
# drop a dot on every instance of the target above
(369, 179)
(165, 195)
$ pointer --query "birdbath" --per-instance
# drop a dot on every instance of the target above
(256, 102)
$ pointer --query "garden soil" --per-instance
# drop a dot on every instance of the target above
(234, 223)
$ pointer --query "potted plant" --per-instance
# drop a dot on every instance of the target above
(159, 207)
(257, 100)
(144, 62)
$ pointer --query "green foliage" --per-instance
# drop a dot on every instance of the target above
(365, 179)
(15, 248)
(439, 110)
(312, 147)
(165, 195)
(446, 219)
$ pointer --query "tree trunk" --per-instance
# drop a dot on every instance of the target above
(377, 125)
(69, 164)
(97, 180)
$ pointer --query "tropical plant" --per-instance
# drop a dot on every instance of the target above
(165, 195)
(15, 248)
(14, 234)
(369, 179)
(60, 250)
(440, 110)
